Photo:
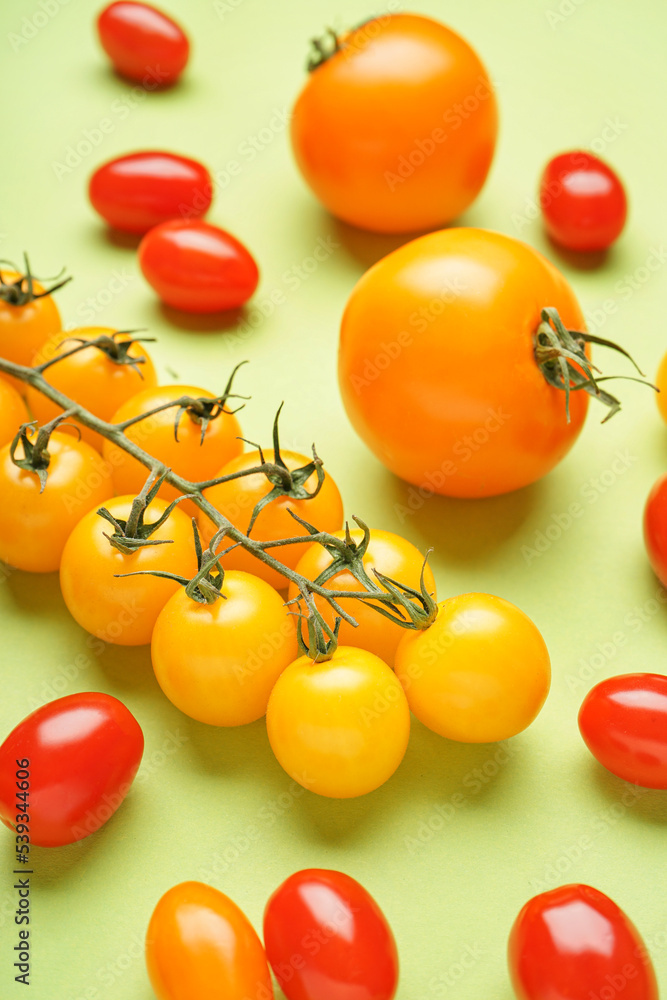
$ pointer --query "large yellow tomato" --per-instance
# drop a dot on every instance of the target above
(388, 554)
(340, 728)
(218, 662)
(437, 363)
(395, 130)
(479, 673)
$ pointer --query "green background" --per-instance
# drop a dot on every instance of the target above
(219, 808)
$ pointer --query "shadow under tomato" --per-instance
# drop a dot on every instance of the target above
(127, 667)
(577, 259)
(627, 800)
(36, 594)
(234, 753)
(461, 530)
(117, 238)
(218, 322)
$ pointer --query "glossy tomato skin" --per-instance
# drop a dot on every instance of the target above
(655, 528)
(388, 554)
(574, 943)
(445, 324)
(24, 329)
(117, 608)
(84, 751)
(219, 662)
(583, 202)
(360, 958)
(143, 44)
(188, 456)
(13, 412)
(661, 383)
(396, 131)
(237, 498)
(34, 526)
(480, 673)
(197, 267)
(90, 377)
(138, 191)
(325, 728)
(200, 944)
(623, 721)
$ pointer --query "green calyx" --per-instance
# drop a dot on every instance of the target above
(116, 350)
(134, 533)
(202, 410)
(21, 291)
(36, 457)
(285, 482)
(561, 356)
(205, 587)
(322, 48)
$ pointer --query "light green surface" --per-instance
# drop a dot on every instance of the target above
(219, 808)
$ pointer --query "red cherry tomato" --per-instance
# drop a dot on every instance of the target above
(83, 752)
(143, 43)
(655, 528)
(623, 721)
(140, 190)
(583, 201)
(575, 943)
(197, 267)
(359, 961)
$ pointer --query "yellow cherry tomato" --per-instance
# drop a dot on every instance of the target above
(25, 327)
(34, 525)
(480, 673)
(388, 554)
(188, 456)
(13, 412)
(218, 662)
(91, 376)
(237, 499)
(201, 946)
(123, 609)
(340, 728)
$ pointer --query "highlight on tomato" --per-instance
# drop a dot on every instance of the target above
(583, 201)
(29, 316)
(479, 673)
(369, 550)
(395, 128)
(220, 643)
(340, 726)
(576, 942)
(262, 502)
(76, 758)
(200, 944)
(140, 190)
(48, 481)
(197, 267)
(99, 367)
(143, 43)
(483, 342)
(360, 956)
(623, 722)
(13, 411)
(185, 427)
(105, 552)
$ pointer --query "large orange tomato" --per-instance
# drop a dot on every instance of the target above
(437, 363)
(388, 554)
(238, 498)
(395, 130)
(192, 455)
(28, 317)
(100, 378)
